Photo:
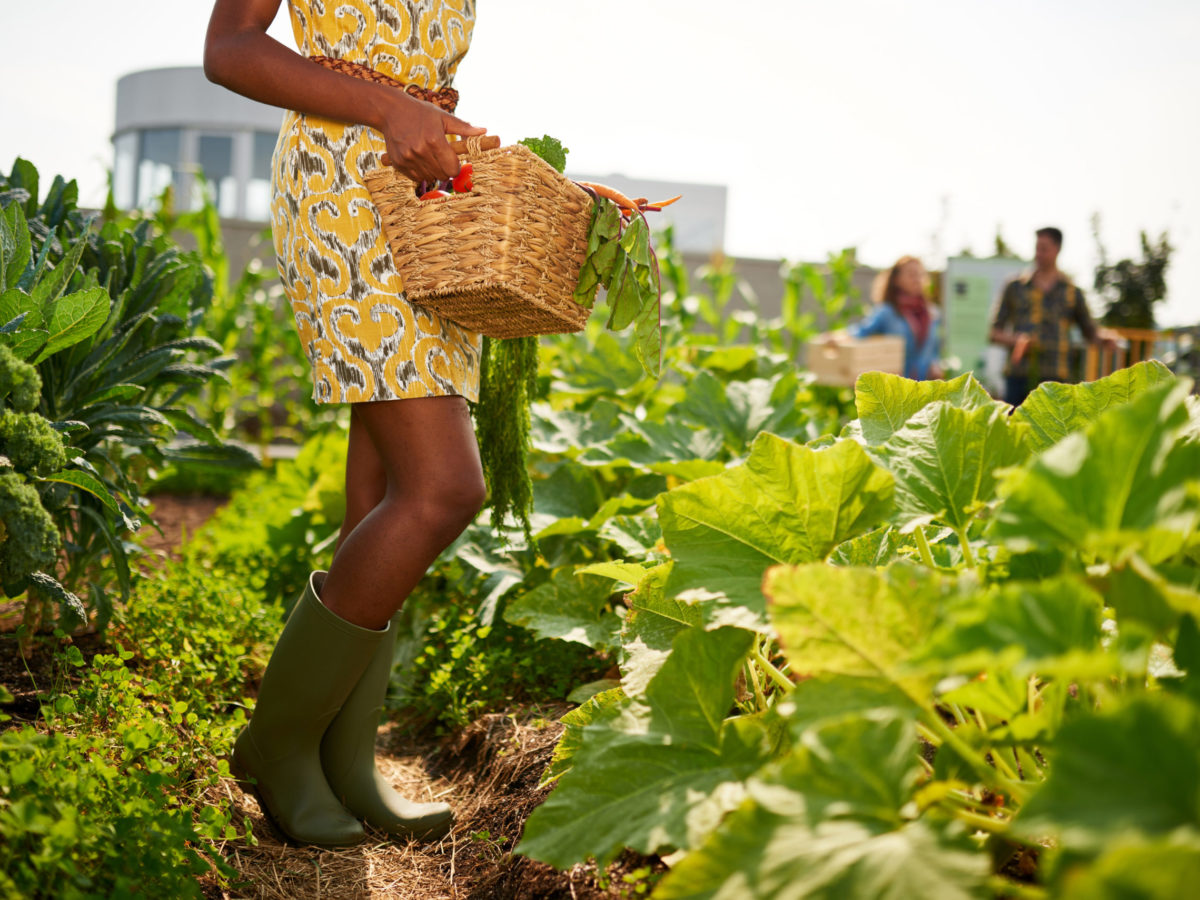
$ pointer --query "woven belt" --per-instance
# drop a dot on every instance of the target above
(445, 99)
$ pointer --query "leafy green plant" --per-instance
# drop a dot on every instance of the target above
(115, 791)
(283, 522)
(264, 397)
(29, 449)
(1130, 288)
(830, 287)
(937, 578)
(452, 669)
(106, 317)
(722, 315)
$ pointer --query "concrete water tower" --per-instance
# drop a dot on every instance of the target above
(173, 123)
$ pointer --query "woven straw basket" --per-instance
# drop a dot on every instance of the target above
(502, 260)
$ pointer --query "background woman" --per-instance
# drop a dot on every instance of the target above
(903, 308)
(413, 476)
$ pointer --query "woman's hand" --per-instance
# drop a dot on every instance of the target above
(835, 338)
(415, 134)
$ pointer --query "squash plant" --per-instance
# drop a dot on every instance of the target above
(952, 652)
(107, 317)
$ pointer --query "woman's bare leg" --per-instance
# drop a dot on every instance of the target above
(434, 488)
(366, 478)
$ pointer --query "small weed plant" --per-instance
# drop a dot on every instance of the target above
(114, 791)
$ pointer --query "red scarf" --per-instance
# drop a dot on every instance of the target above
(916, 312)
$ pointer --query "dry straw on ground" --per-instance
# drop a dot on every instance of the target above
(489, 773)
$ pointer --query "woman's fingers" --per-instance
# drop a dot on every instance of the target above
(455, 125)
(418, 147)
(446, 159)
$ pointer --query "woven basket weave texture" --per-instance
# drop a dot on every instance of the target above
(502, 260)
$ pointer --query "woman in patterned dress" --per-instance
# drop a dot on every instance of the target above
(413, 475)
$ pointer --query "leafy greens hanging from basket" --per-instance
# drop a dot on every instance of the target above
(513, 249)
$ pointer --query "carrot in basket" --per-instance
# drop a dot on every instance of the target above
(608, 193)
(659, 204)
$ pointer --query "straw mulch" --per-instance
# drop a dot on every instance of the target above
(489, 773)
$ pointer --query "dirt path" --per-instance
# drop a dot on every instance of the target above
(489, 773)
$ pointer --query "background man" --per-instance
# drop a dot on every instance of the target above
(1033, 318)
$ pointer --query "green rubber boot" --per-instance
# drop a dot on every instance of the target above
(319, 659)
(348, 758)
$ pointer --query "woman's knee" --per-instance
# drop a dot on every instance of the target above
(447, 508)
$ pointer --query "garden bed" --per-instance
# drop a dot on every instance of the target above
(489, 773)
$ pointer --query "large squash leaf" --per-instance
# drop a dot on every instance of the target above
(1129, 771)
(668, 448)
(1040, 621)
(569, 607)
(650, 629)
(945, 459)
(875, 548)
(886, 402)
(1054, 410)
(858, 622)
(1121, 485)
(741, 410)
(662, 774)
(822, 698)
(786, 504)
(826, 822)
(1166, 869)
(599, 709)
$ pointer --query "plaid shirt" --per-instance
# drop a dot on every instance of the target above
(1024, 309)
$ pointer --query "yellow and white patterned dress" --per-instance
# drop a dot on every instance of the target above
(364, 340)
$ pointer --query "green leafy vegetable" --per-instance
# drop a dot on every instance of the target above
(549, 149)
(507, 384)
(621, 260)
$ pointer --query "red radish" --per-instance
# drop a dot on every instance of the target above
(462, 181)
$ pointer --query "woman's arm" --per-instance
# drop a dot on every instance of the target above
(874, 323)
(240, 55)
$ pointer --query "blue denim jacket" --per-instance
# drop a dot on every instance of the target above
(885, 319)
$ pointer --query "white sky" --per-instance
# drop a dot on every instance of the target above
(917, 127)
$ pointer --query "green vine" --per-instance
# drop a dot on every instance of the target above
(507, 385)
(620, 259)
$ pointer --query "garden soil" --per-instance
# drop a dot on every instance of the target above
(488, 772)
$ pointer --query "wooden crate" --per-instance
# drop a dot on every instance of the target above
(841, 363)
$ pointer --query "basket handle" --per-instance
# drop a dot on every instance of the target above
(472, 146)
